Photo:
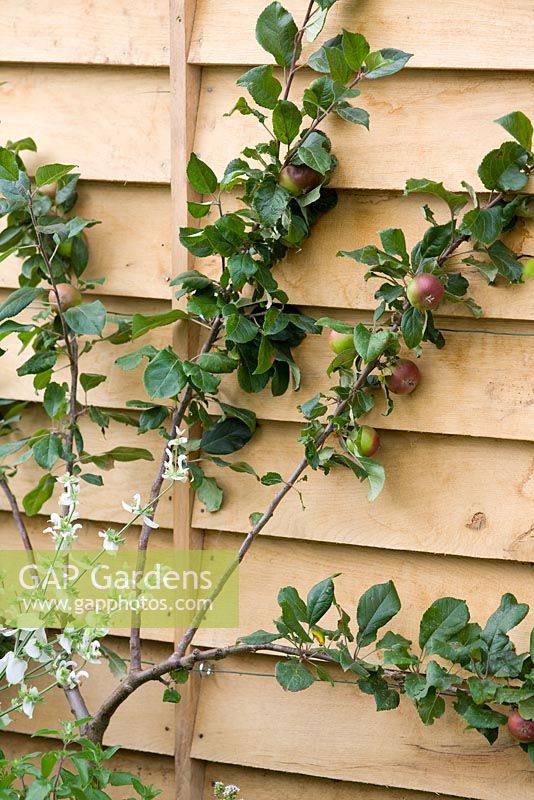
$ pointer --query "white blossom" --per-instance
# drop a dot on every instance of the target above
(176, 468)
(71, 491)
(136, 508)
(83, 641)
(63, 529)
(112, 539)
(67, 677)
(29, 696)
(14, 668)
(36, 646)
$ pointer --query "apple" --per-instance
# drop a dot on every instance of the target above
(65, 248)
(366, 439)
(299, 179)
(521, 729)
(339, 342)
(425, 292)
(69, 296)
(404, 377)
(528, 269)
(49, 189)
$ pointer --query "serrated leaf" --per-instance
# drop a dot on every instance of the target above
(376, 607)
(293, 676)
(276, 32)
(50, 173)
(201, 176)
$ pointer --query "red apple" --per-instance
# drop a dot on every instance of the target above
(299, 179)
(528, 269)
(425, 292)
(404, 377)
(339, 342)
(69, 296)
(366, 439)
(521, 729)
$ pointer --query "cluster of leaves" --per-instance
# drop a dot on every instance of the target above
(396, 322)
(253, 327)
(77, 771)
(477, 665)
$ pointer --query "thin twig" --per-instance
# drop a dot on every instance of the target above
(19, 520)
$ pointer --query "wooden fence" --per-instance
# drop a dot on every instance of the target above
(103, 84)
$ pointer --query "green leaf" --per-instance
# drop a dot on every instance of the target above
(275, 32)
(426, 186)
(506, 262)
(40, 362)
(132, 360)
(198, 210)
(394, 243)
(509, 614)
(315, 156)
(319, 600)
(39, 789)
(18, 301)
(503, 168)
(478, 716)
(441, 621)
(412, 326)
(246, 416)
(12, 447)
(270, 201)
(47, 450)
(216, 362)
(287, 120)
(227, 436)
(337, 64)
(50, 173)
(485, 224)
(210, 494)
(9, 168)
(376, 607)
(355, 49)
(90, 380)
(386, 699)
(142, 324)
(385, 62)
(358, 116)
(37, 497)
(117, 665)
(126, 454)
(200, 176)
(271, 479)
(293, 676)
(370, 345)
(164, 376)
(88, 318)
(375, 475)
(262, 86)
(266, 354)
(430, 707)
(259, 637)
(171, 696)
(242, 267)
(519, 126)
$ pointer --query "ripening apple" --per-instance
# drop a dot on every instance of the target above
(299, 179)
(425, 291)
(404, 377)
(366, 439)
(339, 342)
(528, 269)
(521, 729)
(69, 296)
(65, 248)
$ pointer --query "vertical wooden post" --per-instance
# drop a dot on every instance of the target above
(185, 86)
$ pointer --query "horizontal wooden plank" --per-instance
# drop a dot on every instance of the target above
(151, 768)
(131, 248)
(119, 387)
(443, 494)
(112, 123)
(420, 579)
(469, 36)
(336, 733)
(418, 127)
(261, 784)
(475, 386)
(85, 32)
(101, 503)
(316, 277)
(154, 735)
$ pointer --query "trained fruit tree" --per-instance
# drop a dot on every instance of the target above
(251, 332)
